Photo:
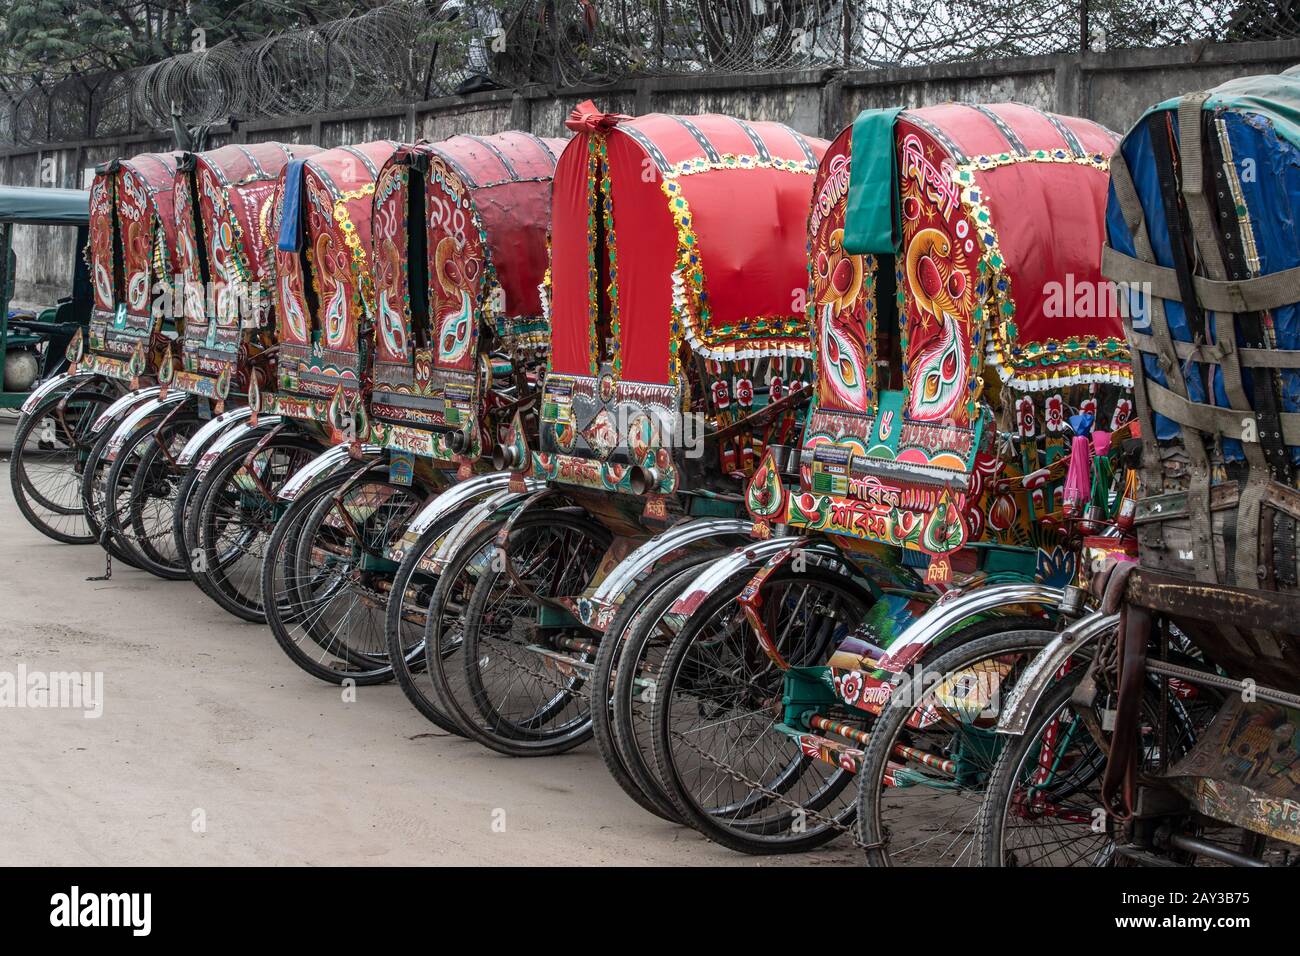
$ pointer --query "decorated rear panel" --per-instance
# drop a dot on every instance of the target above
(392, 276)
(426, 372)
(125, 221)
(941, 277)
(325, 290)
(842, 306)
(100, 247)
(212, 339)
(894, 466)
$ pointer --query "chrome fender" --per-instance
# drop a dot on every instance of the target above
(597, 611)
(122, 405)
(957, 607)
(135, 418)
(232, 435)
(464, 529)
(52, 384)
(758, 553)
(456, 497)
(1037, 677)
(460, 494)
(322, 466)
(213, 427)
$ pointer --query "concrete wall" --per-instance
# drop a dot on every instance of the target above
(1112, 88)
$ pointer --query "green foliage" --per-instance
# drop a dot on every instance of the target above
(56, 38)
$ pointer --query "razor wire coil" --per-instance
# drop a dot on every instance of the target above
(408, 51)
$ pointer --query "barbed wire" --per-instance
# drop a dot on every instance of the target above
(409, 51)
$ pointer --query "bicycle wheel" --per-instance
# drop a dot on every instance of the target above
(94, 495)
(282, 594)
(341, 578)
(406, 619)
(524, 665)
(50, 445)
(184, 521)
(718, 700)
(444, 628)
(140, 495)
(1043, 805)
(923, 775)
(233, 515)
(620, 667)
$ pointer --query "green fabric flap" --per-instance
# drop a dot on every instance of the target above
(871, 219)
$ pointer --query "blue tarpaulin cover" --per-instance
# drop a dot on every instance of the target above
(1259, 123)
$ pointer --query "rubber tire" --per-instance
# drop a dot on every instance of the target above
(17, 473)
(284, 538)
(612, 748)
(976, 642)
(190, 482)
(205, 500)
(694, 815)
(456, 564)
(409, 666)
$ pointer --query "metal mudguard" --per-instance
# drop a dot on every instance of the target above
(482, 512)
(124, 404)
(463, 493)
(231, 435)
(136, 417)
(208, 433)
(957, 607)
(455, 498)
(48, 387)
(604, 603)
(753, 555)
(324, 465)
(1038, 676)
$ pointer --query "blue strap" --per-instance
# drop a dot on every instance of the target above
(291, 218)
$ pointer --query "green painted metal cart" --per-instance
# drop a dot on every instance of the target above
(33, 343)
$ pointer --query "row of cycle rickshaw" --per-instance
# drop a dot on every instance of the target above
(934, 486)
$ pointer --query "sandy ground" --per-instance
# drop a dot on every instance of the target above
(213, 749)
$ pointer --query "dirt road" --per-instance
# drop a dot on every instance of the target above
(213, 749)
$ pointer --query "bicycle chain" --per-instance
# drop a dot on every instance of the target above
(582, 694)
(784, 801)
(752, 784)
(738, 777)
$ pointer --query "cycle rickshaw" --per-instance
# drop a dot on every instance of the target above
(42, 470)
(945, 247)
(458, 250)
(679, 351)
(131, 259)
(1164, 729)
